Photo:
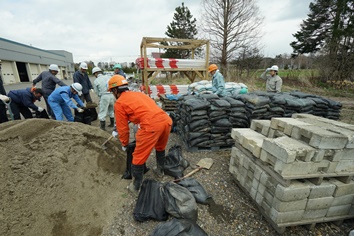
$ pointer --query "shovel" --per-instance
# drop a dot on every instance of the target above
(204, 163)
(103, 146)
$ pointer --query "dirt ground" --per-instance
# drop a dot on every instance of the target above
(57, 180)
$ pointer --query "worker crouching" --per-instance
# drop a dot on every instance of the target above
(154, 127)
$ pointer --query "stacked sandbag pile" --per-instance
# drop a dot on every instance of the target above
(193, 122)
(218, 115)
(299, 171)
(256, 106)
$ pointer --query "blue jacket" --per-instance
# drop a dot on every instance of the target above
(63, 95)
(23, 97)
(49, 81)
(218, 84)
(121, 72)
(84, 80)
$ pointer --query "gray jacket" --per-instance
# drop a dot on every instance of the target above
(49, 81)
(273, 83)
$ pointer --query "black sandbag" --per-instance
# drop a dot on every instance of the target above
(195, 124)
(195, 141)
(180, 227)
(179, 202)
(175, 164)
(196, 104)
(233, 102)
(93, 113)
(209, 96)
(148, 206)
(198, 191)
(83, 117)
(221, 103)
(42, 114)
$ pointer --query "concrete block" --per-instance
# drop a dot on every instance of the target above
(296, 191)
(325, 189)
(268, 158)
(285, 217)
(264, 178)
(268, 198)
(266, 207)
(342, 188)
(345, 166)
(299, 168)
(259, 198)
(314, 214)
(289, 206)
(343, 200)
(302, 116)
(319, 203)
(288, 150)
(253, 193)
(260, 126)
(344, 154)
(255, 184)
(334, 127)
(285, 124)
(325, 154)
(261, 188)
(258, 172)
(319, 138)
(274, 133)
(341, 210)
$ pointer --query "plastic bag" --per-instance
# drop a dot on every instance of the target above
(148, 205)
(179, 202)
(174, 163)
(178, 227)
(198, 191)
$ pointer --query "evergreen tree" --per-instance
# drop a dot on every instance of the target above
(329, 30)
(183, 26)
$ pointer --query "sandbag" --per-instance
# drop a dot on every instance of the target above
(174, 163)
(178, 227)
(198, 191)
(148, 206)
(179, 202)
(42, 114)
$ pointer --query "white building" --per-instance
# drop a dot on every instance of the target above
(23, 63)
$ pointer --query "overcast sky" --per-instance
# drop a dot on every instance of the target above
(111, 30)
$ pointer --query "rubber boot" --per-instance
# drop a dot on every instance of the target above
(160, 163)
(128, 169)
(103, 125)
(137, 172)
(112, 122)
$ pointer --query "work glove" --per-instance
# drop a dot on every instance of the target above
(40, 109)
(268, 69)
(80, 110)
(114, 133)
(92, 91)
(124, 148)
(4, 98)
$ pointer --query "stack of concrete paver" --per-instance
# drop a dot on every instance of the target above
(298, 170)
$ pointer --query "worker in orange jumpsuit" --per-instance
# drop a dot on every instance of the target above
(154, 127)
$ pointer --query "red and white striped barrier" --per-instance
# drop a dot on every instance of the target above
(156, 90)
(170, 63)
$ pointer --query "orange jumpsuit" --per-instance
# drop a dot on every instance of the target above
(154, 124)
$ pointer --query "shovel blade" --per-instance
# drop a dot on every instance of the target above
(205, 163)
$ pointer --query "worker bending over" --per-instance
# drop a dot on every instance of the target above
(153, 132)
(60, 101)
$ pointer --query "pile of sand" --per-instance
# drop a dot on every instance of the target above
(56, 179)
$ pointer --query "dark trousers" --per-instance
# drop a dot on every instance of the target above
(3, 115)
(18, 109)
(85, 97)
(49, 109)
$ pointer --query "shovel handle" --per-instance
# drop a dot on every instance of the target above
(189, 174)
(107, 140)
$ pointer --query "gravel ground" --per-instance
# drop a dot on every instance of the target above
(233, 212)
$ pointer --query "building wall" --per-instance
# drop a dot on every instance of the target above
(35, 60)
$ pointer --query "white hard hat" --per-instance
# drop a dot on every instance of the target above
(77, 87)
(83, 65)
(276, 68)
(54, 67)
(96, 69)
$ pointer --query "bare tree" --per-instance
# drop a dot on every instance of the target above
(231, 25)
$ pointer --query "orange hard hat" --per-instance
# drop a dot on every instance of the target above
(212, 67)
(117, 81)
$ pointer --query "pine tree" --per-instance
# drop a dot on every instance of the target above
(183, 26)
(329, 30)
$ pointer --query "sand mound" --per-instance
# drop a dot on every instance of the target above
(56, 179)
